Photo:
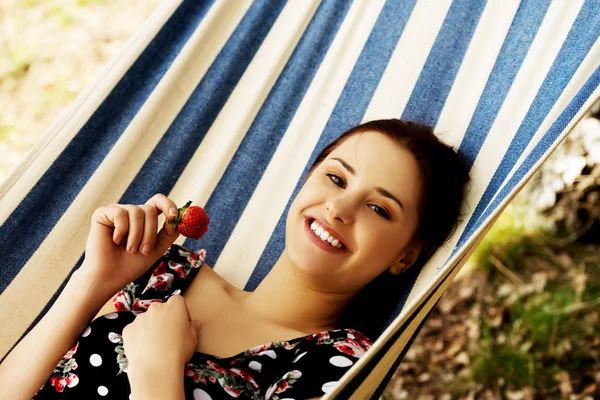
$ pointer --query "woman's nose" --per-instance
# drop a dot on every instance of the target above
(340, 209)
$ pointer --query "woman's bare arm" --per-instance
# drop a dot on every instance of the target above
(31, 362)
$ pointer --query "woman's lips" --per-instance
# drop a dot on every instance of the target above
(320, 243)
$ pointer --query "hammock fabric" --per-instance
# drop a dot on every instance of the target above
(227, 103)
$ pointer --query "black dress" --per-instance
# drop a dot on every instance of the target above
(303, 367)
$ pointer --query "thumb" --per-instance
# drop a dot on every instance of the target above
(166, 237)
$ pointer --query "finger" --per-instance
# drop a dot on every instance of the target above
(167, 234)
(150, 227)
(114, 218)
(180, 303)
(121, 222)
(163, 205)
(137, 218)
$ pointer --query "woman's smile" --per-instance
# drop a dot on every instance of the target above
(319, 242)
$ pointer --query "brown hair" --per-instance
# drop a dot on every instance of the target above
(444, 176)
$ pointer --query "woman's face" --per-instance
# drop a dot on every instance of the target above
(375, 227)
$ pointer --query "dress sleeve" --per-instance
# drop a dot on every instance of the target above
(316, 369)
(171, 274)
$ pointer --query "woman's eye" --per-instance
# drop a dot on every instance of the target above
(335, 179)
(382, 213)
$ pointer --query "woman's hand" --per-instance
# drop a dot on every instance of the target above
(162, 337)
(113, 256)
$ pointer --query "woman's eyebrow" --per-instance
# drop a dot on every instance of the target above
(379, 189)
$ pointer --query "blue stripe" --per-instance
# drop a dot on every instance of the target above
(581, 37)
(439, 72)
(229, 199)
(523, 29)
(348, 111)
(555, 131)
(64, 179)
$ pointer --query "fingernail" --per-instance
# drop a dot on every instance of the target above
(146, 249)
(173, 211)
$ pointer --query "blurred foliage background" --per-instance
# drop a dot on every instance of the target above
(521, 320)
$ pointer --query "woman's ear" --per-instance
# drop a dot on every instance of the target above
(406, 260)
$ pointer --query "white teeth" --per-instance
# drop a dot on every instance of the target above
(324, 235)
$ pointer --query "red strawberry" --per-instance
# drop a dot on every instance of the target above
(191, 222)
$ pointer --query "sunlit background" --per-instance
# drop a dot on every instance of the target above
(521, 320)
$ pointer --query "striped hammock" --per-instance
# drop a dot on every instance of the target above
(227, 103)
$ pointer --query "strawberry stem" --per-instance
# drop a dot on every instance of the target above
(180, 214)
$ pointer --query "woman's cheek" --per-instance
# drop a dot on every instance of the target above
(375, 250)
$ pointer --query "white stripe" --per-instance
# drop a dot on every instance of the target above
(583, 73)
(475, 70)
(466, 91)
(256, 225)
(406, 63)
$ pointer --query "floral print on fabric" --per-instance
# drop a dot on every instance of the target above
(62, 376)
(282, 385)
(169, 271)
(299, 368)
(355, 345)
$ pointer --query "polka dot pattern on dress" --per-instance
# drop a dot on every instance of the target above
(327, 387)
(96, 360)
(340, 361)
(102, 390)
(86, 332)
(269, 353)
(255, 365)
(299, 357)
(200, 394)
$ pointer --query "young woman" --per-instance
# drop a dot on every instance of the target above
(378, 200)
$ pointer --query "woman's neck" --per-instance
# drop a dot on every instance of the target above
(289, 298)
